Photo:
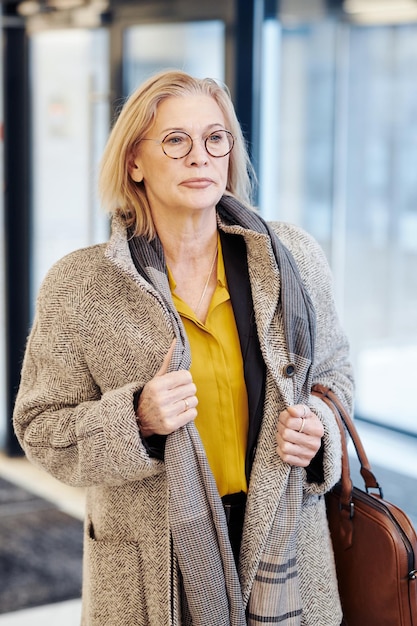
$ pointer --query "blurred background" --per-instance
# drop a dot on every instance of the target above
(326, 92)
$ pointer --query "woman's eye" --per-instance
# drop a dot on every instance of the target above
(174, 139)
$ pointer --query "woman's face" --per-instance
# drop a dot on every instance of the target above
(191, 183)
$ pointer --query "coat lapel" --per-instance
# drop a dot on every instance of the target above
(234, 255)
(265, 358)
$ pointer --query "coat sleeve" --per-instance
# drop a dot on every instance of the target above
(63, 421)
(332, 366)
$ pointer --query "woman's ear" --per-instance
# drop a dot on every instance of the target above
(135, 170)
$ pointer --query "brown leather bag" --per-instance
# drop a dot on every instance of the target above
(374, 542)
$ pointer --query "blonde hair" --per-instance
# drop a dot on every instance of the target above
(119, 193)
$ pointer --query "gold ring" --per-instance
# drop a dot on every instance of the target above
(187, 406)
(305, 409)
(303, 421)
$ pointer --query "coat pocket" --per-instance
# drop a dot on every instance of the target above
(113, 589)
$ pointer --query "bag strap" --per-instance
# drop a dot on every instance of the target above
(343, 418)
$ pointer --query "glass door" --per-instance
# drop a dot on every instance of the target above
(70, 121)
(338, 153)
(381, 221)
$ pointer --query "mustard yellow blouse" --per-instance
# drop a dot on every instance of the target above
(217, 370)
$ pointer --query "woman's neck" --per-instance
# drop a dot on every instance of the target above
(190, 241)
(190, 249)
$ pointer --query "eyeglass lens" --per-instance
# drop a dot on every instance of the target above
(178, 144)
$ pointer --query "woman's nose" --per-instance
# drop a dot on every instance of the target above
(198, 153)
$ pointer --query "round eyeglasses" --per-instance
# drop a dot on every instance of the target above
(177, 144)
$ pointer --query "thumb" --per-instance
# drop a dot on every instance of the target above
(167, 359)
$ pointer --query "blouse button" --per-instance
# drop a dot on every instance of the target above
(289, 370)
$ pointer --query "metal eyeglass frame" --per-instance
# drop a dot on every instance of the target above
(182, 132)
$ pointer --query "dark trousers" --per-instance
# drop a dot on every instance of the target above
(234, 508)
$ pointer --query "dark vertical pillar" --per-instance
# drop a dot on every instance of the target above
(334, 5)
(16, 204)
(245, 17)
(250, 17)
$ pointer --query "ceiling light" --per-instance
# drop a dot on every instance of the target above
(381, 11)
(28, 8)
(65, 5)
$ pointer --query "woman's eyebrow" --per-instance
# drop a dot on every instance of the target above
(210, 126)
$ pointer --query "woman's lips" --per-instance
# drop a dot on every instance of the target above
(197, 183)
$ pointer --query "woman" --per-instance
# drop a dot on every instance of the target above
(169, 372)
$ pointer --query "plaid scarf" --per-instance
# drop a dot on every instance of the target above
(198, 525)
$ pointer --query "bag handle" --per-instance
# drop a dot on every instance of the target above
(344, 420)
(342, 415)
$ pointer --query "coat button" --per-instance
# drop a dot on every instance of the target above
(289, 370)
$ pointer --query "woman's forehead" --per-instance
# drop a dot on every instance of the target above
(176, 111)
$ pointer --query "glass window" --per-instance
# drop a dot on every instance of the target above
(381, 221)
(338, 148)
(195, 47)
(70, 121)
(2, 289)
(296, 170)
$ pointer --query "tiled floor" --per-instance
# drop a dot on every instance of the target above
(62, 614)
(70, 500)
(394, 454)
(19, 471)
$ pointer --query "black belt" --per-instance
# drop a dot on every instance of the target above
(234, 505)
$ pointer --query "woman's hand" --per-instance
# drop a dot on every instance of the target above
(167, 401)
(299, 435)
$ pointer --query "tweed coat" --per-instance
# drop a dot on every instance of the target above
(100, 333)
